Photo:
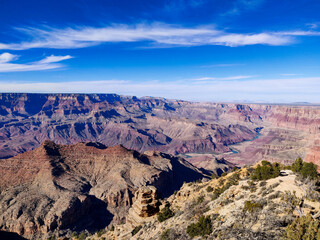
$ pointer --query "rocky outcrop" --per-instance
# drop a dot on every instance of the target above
(242, 210)
(145, 205)
(56, 189)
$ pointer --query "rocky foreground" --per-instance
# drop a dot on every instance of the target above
(232, 207)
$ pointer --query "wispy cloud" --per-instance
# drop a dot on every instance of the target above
(290, 74)
(223, 78)
(223, 65)
(161, 35)
(267, 90)
(47, 63)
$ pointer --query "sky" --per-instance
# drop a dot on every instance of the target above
(198, 50)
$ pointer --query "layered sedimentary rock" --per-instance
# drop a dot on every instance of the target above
(60, 188)
(143, 124)
(145, 205)
(171, 126)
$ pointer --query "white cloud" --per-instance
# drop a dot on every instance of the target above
(47, 63)
(160, 35)
(224, 78)
(53, 59)
(7, 57)
(266, 90)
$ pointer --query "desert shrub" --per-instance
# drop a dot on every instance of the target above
(200, 199)
(234, 169)
(224, 174)
(252, 206)
(297, 165)
(263, 183)
(305, 228)
(209, 189)
(74, 235)
(274, 185)
(214, 176)
(101, 232)
(201, 228)
(136, 230)
(198, 180)
(165, 213)
(309, 170)
(275, 195)
(291, 200)
(306, 169)
(266, 171)
(165, 235)
(232, 180)
(82, 236)
(245, 187)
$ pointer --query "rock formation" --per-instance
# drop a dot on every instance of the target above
(62, 188)
(145, 205)
(171, 126)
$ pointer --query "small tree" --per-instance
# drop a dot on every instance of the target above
(297, 165)
(165, 213)
(201, 228)
(309, 170)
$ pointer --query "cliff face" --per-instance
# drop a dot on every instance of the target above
(61, 188)
(171, 126)
(26, 120)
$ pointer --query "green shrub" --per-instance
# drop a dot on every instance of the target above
(165, 213)
(252, 206)
(214, 176)
(82, 236)
(234, 169)
(305, 228)
(209, 189)
(101, 232)
(224, 174)
(201, 228)
(297, 165)
(112, 228)
(136, 230)
(165, 235)
(266, 171)
(200, 199)
(309, 170)
(306, 169)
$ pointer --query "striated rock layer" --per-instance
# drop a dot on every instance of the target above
(279, 132)
(143, 124)
(61, 188)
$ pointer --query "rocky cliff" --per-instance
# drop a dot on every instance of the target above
(279, 132)
(63, 188)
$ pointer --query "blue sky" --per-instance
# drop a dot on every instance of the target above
(199, 50)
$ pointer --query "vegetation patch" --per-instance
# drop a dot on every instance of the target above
(266, 171)
(305, 228)
(136, 230)
(305, 169)
(201, 228)
(165, 213)
(252, 206)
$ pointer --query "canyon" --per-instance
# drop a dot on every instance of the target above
(272, 132)
(84, 162)
(86, 186)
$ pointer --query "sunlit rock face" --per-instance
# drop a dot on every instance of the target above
(59, 188)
